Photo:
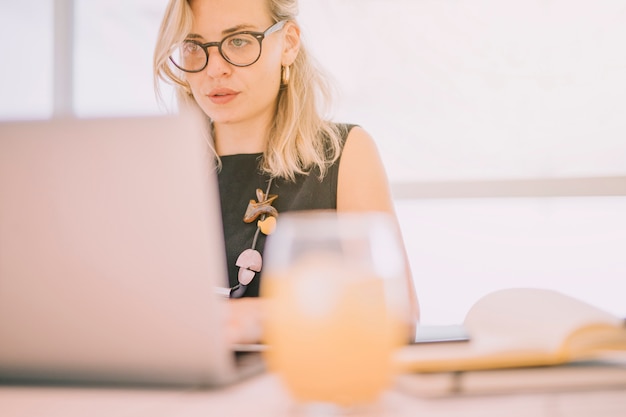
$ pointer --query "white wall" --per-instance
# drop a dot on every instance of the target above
(461, 249)
(467, 89)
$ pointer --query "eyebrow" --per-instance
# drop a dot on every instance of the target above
(225, 32)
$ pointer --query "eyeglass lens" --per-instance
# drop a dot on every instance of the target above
(238, 49)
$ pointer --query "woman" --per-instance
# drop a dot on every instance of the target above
(243, 64)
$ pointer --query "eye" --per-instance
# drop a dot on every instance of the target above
(191, 48)
(238, 42)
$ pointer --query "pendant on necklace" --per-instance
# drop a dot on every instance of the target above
(250, 260)
(262, 207)
(249, 263)
(267, 225)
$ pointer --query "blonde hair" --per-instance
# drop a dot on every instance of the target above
(300, 137)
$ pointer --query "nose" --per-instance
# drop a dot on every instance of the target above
(216, 65)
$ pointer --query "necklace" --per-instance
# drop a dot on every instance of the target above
(250, 260)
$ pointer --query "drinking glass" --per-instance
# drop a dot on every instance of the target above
(337, 305)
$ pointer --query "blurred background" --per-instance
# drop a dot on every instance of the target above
(501, 123)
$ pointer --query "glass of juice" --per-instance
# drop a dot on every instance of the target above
(337, 306)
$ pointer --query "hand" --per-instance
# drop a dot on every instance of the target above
(244, 320)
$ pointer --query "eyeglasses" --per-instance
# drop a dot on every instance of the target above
(241, 49)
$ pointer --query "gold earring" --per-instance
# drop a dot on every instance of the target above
(285, 73)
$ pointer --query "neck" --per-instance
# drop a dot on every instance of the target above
(231, 139)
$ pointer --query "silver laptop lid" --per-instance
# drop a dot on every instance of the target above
(111, 245)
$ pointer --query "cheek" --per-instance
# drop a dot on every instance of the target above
(269, 77)
(268, 86)
(270, 62)
(272, 78)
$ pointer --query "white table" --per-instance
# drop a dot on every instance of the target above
(263, 395)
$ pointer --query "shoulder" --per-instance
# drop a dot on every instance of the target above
(362, 182)
(344, 130)
(359, 147)
(353, 137)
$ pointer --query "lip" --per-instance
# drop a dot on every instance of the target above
(222, 95)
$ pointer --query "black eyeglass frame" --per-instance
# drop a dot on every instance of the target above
(259, 36)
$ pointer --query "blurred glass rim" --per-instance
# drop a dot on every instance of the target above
(329, 223)
(320, 229)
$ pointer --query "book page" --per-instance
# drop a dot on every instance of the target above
(511, 328)
(531, 318)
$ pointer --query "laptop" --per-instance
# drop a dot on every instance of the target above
(111, 248)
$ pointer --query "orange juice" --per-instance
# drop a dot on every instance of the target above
(330, 332)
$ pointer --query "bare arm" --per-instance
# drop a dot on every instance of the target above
(244, 320)
(363, 186)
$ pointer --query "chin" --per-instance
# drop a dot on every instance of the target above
(220, 117)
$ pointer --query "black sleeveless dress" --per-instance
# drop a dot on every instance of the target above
(238, 180)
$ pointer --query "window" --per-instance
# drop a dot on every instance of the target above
(114, 42)
(26, 29)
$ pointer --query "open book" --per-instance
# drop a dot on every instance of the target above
(522, 327)
(526, 328)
